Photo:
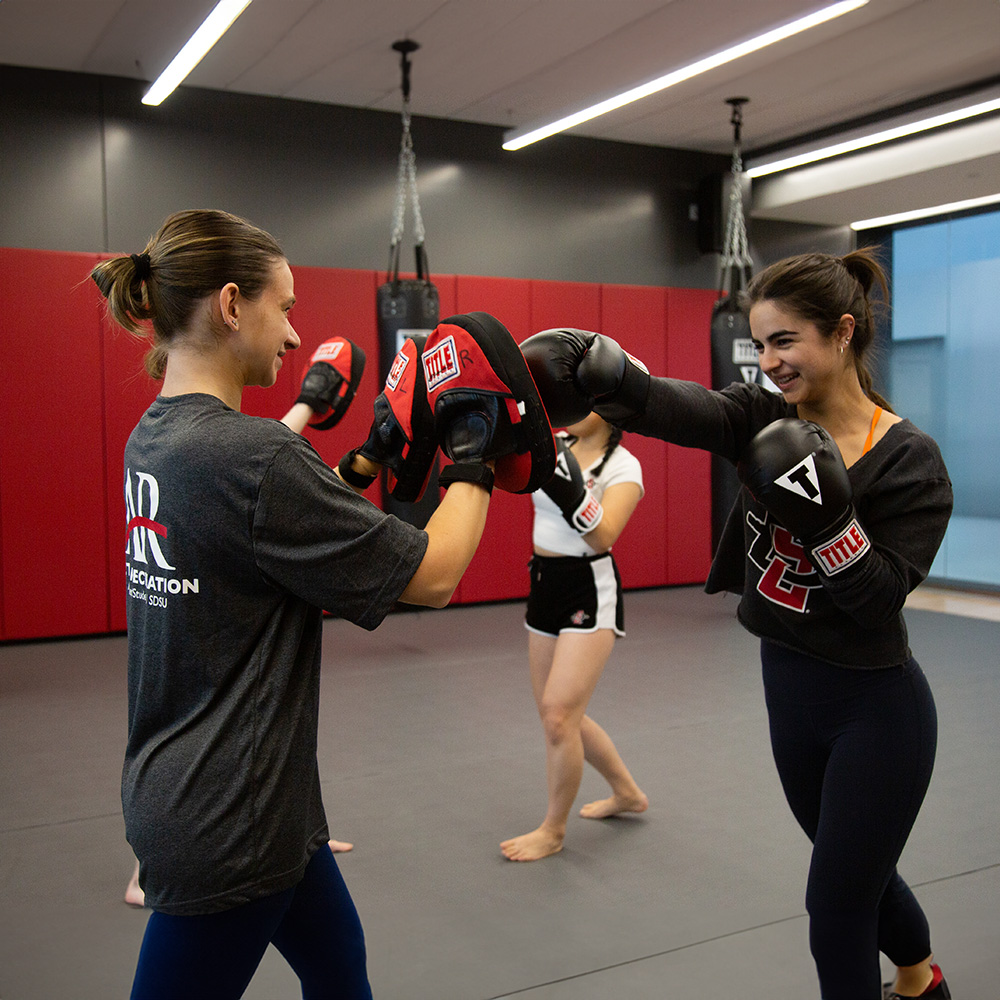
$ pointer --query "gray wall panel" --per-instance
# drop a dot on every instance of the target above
(88, 167)
(322, 179)
(51, 187)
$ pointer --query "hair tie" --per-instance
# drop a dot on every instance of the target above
(141, 262)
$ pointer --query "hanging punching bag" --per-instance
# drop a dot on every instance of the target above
(406, 307)
(733, 360)
(733, 356)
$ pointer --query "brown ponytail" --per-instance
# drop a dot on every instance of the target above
(193, 254)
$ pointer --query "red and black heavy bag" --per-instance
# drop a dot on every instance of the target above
(474, 353)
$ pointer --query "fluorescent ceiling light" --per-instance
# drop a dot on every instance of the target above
(684, 73)
(850, 145)
(923, 213)
(195, 48)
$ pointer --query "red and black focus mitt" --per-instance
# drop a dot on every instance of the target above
(485, 403)
(330, 381)
(402, 434)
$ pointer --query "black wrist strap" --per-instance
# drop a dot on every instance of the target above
(356, 479)
(466, 472)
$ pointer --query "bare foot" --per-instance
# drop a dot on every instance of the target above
(340, 846)
(532, 846)
(134, 895)
(603, 808)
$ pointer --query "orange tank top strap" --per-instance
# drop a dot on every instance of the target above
(871, 430)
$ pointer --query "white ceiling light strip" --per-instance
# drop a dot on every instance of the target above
(518, 141)
(195, 48)
(874, 139)
(923, 213)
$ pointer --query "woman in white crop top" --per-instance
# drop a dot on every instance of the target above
(574, 613)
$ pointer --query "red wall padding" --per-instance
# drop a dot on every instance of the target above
(52, 482)
(636, 318)
(65, 422)
(564, 303)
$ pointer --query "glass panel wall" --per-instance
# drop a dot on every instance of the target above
(944, 374)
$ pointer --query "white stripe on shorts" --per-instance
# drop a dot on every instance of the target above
(607, 594)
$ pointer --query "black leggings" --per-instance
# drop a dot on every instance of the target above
(854, 750)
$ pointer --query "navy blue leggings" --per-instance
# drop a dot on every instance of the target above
(214, 956)
(854, 750)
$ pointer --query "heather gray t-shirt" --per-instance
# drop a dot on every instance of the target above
(239, 536)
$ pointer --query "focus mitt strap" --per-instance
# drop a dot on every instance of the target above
(402, 434)
(358, 480)
(466, 472)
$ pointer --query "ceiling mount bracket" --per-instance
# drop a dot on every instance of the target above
(405, 47)
(736, 119)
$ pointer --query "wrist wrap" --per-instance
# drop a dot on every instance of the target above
(466, 472)
(356, 479)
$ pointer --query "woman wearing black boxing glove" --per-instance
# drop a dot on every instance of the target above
(574, 614)
(845, 507)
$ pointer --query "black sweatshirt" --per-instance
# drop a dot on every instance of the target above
(903, 498)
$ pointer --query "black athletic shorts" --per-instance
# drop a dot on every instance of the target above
(574, 594)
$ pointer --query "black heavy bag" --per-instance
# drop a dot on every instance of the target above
(733, 356)
(406, 307)
(733, 360)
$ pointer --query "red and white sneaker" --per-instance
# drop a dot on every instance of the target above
(938, 989)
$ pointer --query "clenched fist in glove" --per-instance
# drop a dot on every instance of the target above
(581, 510)
(578, 371)
(795, 469)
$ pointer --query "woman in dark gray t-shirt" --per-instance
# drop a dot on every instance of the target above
(239, 536)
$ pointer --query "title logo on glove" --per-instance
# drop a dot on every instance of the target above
(802, 480)
(847, 548)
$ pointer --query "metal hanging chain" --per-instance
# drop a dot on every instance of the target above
(736, 248)
(406, 185)
(406, 174)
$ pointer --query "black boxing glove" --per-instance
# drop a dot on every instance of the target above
(795, 469)
(578, 371)
(553, 357)
(568, 491)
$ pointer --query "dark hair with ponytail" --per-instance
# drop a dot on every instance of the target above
(821, 288)
(194, 253)
(613, 441)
